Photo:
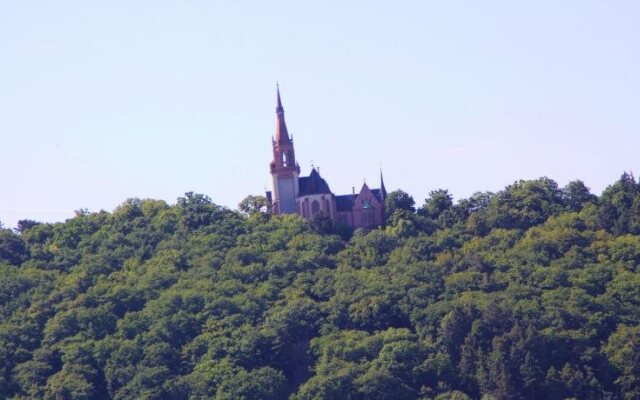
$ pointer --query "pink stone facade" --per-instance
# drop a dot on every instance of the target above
(310, 196)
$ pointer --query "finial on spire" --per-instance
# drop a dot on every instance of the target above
(279, 101)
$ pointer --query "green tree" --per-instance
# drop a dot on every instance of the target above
(322, 223)
(398, 200)
(24, 225)
(197, 210)
(253, 204)
(12, 248)
(259, 384)
(623, 351)
(69, 385)
(525, 204)
(438, 203)
(619, 210)
(576, 195)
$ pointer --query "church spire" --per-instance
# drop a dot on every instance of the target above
(279, 102)
(383, 190)
(284, 168)
(282, 135)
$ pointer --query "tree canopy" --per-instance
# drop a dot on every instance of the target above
(528, 293)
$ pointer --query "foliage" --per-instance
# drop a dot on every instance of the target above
(12, 248)
(253, 204)
(532, 292)
(398, 201)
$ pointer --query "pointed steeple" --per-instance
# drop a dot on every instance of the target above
(282, 135)
(279, 107)
(383, 190)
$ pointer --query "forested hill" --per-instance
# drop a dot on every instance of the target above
(529, 293)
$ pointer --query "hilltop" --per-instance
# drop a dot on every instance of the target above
(532, 292)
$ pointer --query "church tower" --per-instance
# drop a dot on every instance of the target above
(284, 169)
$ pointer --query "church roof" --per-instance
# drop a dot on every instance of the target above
(312, 184)
(379, 194)
(345, 202)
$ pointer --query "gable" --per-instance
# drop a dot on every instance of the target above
(312, 184)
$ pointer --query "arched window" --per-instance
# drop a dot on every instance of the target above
(285, 158)
(315, 207)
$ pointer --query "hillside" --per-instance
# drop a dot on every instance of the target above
(529, 293)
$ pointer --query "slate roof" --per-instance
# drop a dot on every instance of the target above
(379, 194)
(315, 184)
(345, 202)
(312, 184)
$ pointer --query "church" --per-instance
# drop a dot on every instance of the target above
(310, 195)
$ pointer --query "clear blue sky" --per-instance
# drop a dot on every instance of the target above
(104, 101)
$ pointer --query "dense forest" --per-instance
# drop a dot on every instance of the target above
(529, 293)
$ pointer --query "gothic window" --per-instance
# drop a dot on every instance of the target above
(285, 159)
(305, 208)
(315, 207)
